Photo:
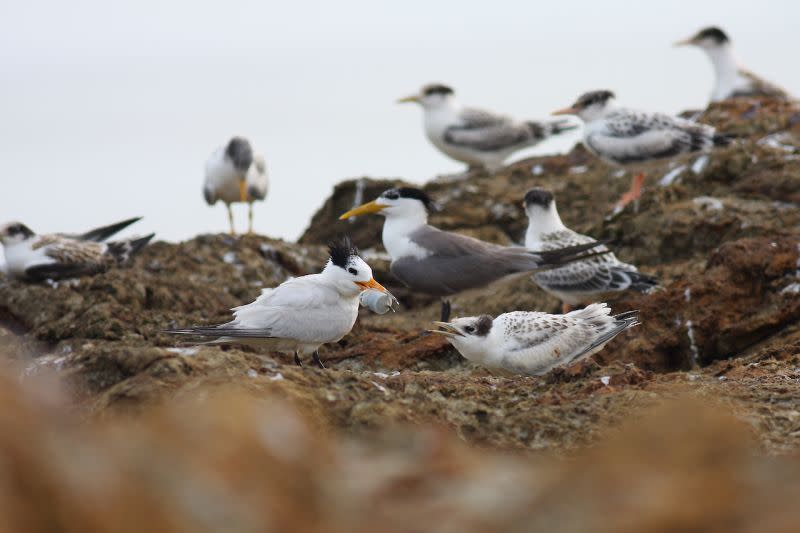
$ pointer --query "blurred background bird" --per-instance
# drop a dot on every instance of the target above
(480, 138)
(234, 173)
(730, 79)
(622, 136)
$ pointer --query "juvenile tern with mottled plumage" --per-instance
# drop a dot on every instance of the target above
(235, 174)
(301, 314)
(580, 281)
(474, 136)
(730, 79)
(533, 343)
(35, 258)
(623, 136)
(441, 263)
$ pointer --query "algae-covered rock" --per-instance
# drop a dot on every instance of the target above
(721, 233)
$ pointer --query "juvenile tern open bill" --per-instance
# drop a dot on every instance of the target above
(235, 174)
(301, 314)
(623, 136)
(531, 343)
(578, 282)
(730, 79)
(36, 258)
(474, 136)
(441, 263)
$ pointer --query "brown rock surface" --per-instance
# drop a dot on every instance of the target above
(673, 424)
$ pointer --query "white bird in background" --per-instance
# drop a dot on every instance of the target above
(730, 80)
(235, 174)
(301, 314)
(440, 263)
(623, 136)
(578, 282)
(474, 136)
(530, 343)
(36, 258)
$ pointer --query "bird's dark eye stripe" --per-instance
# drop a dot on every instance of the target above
(353, 271)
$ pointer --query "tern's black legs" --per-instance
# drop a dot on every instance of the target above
(445, 310)
(316, 360)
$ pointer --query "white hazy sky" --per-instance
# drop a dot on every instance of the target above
(109, 109)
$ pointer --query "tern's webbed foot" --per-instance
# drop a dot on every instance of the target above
(317, 360)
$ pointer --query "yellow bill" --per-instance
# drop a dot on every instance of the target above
(565, 111)
(242, 190)
(371, 284)
(446, 329)
(408, 99)
(366, 209)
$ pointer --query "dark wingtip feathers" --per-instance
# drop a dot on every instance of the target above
(723, 139)
(104, 232)
(124, 250)
(642, 282)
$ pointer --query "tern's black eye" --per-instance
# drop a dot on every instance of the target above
(353, 271)
(469, 329)
(391, 195)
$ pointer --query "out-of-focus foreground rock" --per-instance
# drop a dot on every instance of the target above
(691, 419)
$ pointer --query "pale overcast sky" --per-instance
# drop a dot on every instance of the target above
(109, 109)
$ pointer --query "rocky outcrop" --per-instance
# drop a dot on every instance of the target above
(395, 408)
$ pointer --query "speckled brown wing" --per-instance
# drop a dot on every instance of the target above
(72, 258)
(71, 252)
(759, 87)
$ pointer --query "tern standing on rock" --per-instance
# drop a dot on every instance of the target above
(730, 80)
(623, 136)
(34, 257)
(529, 343)
(581, 281)
(474, 136)
(441, 263)
(235, 174)
(301, 314)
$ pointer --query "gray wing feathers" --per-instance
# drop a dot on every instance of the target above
(223, 330)
(487, 132)
(634, 136)
(458, 262)
(602, 273)
(208, 194)
(621, 323)
(257, 179)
